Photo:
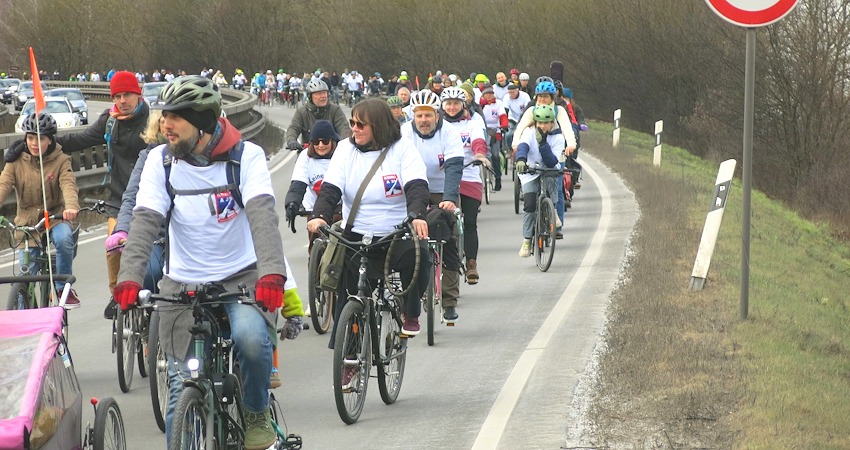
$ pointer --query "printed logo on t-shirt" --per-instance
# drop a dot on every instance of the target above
(225, 206)
(392, 186)
(441, 159)
(317, 185)
(466, 139)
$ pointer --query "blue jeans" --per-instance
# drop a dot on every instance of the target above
(250, 336)
(155, 266)
(62, 236)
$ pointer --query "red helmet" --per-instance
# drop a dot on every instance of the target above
(514, 72)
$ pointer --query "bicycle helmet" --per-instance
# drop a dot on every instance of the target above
(453, 93)
(545, 87)
(514, 72)
(426, 99)
(523, 77)
(315, 86)
(542, 79)
(190, 92)
(45, 122)
(394, 101)
(559, 85)
(481, 78)
(544, 113)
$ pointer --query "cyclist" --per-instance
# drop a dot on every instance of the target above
(496, 120)
(470, 128)
(540, 144)
(396, 191)
(318, 107)
(354, 82)
(524, 84)
(442, 151)
(60, 189)
(239, 81)
(501, 86)
(515, 102)
(481, 83)
(397, 107)
(210, 239)
(473, 107)
(514, 77)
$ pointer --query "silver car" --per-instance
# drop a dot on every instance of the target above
(77, 99)
(8, 88)
(25, 92)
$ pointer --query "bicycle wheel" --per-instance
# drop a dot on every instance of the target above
(352, 361)
(189, 423)
(321, 301)
(517, 195)
(430, 305)
(234, 423)
(19, 297)
(144, 338)
(158, 369)
(545, 238)
(393, 356)
(108, 426)
(485, 177)
(125, 338)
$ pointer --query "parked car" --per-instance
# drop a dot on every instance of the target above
(24, 93)
(8, 88)
(150, 91)
(58, 107)
(77, 99)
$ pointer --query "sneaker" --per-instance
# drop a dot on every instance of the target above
(525, 250)
(471, 271)
(259, 434)
(559, 234)
(410, 326)
(498, 186)
(72, 302)
(109, 312)
(274, 379)
(578, 185)
(307, 311)
(450, 314)
(558, 223)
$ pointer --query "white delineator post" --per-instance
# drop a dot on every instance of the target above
(656, 154)
(617, 128)
(712, 224)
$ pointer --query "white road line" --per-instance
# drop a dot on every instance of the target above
(496, 421)
(283, 163)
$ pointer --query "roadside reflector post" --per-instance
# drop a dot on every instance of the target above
(656, 154)
(617, 128)
(712, 224)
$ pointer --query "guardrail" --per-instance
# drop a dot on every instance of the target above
(90, 163)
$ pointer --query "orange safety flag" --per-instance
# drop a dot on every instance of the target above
(417, 82)
(38, 95)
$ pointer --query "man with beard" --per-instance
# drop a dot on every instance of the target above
(318, 107)
(442, 151)
(213, 237)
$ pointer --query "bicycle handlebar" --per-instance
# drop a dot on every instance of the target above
(400, 229)
(207, 294)
(38, 278)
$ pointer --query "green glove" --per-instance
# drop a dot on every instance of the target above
(291, 304)
(521, 167)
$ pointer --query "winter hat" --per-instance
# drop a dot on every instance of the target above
(467, 87)
(323, 129)
(567, 92)
(512, 87)
(488, 90)
(124, 82)
(203, 120)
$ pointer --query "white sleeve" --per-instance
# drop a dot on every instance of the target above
(336, 173)
(256, 180)
(152, 193)
(299, 172)
(412, 165)
(566, 127)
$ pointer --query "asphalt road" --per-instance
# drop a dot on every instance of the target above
(504, 377)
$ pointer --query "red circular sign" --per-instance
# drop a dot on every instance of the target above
(764, 12)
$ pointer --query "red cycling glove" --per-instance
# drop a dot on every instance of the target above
(270, 291)
(126, 293)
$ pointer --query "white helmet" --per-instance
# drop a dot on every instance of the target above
(453, 93)
(523, 77)
(425, 98)
(453, 78)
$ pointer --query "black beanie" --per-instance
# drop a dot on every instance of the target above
(204, 120)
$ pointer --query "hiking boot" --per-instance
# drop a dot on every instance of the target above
(259, 434)
(471, 271)
(450, 314)
(274, 379)
(410, 326)
(525, 250)
(109, 312)
(72, 302)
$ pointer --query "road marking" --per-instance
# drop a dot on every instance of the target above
(279, 165)
(497, 419)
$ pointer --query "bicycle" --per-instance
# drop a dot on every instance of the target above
(321, 300)
(294, 96)
(209, 413)
(369, 325)
(488, 178)
(434, 295)
(543, 239)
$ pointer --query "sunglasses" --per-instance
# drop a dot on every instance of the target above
(357, 123)
(321, 141)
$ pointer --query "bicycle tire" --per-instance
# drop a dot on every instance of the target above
(19, 297)
(545, 238)
(321, 301)
(107, 417)
(124, 337)
(189, 421)
(158, 370)
(430, 304)
(391, 367)
(485, 177)
(144, 338)
(517, 195)
(235, 427)
(352, 339)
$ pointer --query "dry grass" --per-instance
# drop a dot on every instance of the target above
(681, 370)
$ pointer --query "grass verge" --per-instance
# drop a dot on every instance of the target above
(681, 370)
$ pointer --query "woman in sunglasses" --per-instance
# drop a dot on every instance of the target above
(309, 172)
(398, 189)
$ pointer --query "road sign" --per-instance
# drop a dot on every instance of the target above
(751, 13)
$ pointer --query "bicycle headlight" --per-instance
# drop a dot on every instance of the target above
(194, 365)
(367, 239)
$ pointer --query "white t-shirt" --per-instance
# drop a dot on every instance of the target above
(556, 142)
(205, 245)
(310, 171)
(500, 91)
(516, 106)
(468, 131)
(445, 144)
(492, 113)
(383, 205)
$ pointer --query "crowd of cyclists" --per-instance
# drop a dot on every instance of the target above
(435, 136)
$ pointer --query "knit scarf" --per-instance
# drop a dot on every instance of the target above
(205, 157)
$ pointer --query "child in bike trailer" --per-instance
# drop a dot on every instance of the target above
(538, 145)
(60, 189)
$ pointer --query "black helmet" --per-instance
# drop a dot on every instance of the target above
(45, 122)
(190, 92)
